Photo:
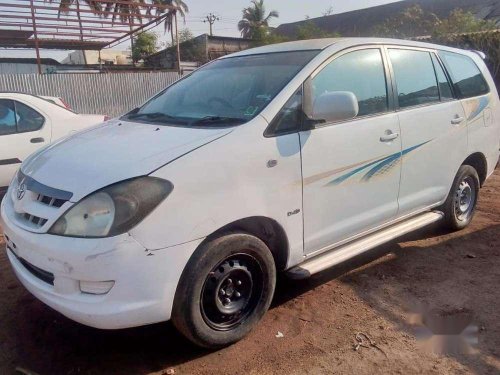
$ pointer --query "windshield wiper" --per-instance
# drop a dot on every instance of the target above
(154, 117)
(217, 120)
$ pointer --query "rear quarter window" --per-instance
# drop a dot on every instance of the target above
(467, 79)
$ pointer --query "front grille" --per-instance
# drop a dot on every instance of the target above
(38, 221)
(38, 194)
(45, 200)
(50, 201)
(43, 275)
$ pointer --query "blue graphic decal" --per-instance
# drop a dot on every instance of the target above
(342, 178)
(378, 166)
(482, 104)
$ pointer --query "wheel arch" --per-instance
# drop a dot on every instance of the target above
(266, 229)
(478, 161)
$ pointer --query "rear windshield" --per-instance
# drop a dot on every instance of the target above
(466, 76)
(226, 92)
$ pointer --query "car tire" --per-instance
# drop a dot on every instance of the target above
(225, 289)
(460, 206)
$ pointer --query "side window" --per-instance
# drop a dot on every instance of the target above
(415, 78)
(28, 119)
(466, 76)
(290, 118)
(444, 84)
(7, 117)
(360, 72)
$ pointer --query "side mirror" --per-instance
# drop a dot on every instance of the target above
(335, 106)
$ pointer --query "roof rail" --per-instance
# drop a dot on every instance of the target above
(480, 53)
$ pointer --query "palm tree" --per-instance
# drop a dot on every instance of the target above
(255, 22)
(126, 10)
(181, 8)
(127, 13)
(66, 5)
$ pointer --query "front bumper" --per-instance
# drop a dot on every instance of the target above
(145, 281)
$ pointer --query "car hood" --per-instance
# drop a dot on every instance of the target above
(90, 160)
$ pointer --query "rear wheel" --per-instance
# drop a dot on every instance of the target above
(224, 291)
(460, 206)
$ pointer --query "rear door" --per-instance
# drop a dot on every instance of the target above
(478, 100)
(23, 130)
(350, 168)
(433, 128)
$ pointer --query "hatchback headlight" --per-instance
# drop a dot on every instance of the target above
(113, 210)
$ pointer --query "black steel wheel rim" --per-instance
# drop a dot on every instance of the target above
(232, 291)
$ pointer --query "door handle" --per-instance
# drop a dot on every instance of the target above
(37, 140)
(457, 120)
(389, 136)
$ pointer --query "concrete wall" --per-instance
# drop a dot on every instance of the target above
(92, 57)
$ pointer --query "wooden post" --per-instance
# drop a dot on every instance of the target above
(35, 34)
(178, 46)
(131, 39)
(81, 29)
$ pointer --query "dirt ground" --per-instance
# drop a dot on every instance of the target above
(454, 275)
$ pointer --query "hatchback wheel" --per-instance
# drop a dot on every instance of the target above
(226, 288)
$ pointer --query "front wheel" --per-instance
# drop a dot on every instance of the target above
(460, 206)
(226, 288)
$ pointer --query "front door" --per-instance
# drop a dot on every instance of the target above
(351, 170)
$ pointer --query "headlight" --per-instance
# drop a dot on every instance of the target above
(14, 180)
(113, 210)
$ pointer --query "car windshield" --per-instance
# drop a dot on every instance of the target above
(227, 92)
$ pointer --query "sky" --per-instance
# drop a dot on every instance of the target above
(229, 12)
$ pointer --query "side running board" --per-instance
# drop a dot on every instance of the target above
(340, 254)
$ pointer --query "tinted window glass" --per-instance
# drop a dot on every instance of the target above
(290, 118)
(415, 77)
(465, 74)
(360, 72)
(226, 92)
(28, 119)
(7, 117)
(444, 85)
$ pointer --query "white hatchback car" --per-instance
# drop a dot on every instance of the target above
(29, 122)
(292, 157)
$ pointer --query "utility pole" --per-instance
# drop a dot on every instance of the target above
(35, 34)
(211, 18)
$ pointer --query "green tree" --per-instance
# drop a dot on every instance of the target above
(185, 35)
(413, 21)
(460, 29)
(460, 21)
(463, 30)
(309, 30)
(145, 44)
(191, 49)
(255, 22)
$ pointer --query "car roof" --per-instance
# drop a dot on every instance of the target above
(45, 100)
(299, 45)
(321, 44)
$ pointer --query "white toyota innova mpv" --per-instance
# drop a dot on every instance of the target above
(292, 157)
